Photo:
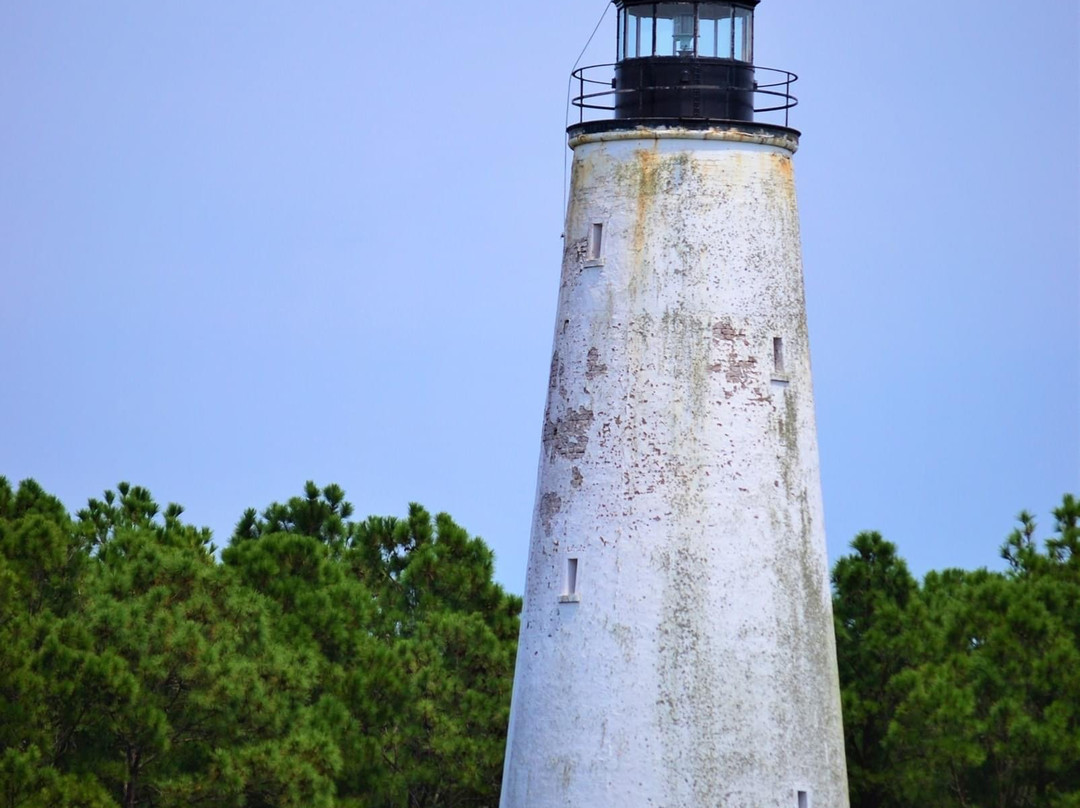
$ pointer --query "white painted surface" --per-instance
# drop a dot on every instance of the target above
(698, 667)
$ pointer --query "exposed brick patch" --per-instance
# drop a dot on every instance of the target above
(550, 504)
(593, 366)
(738, 370)
(568, 436)
(724, 331)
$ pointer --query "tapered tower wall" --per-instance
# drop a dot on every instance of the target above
(677, 646)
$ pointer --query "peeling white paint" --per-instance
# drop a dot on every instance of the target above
(697, 667)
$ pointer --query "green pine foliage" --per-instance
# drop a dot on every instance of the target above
(320, 662)
(963, 691)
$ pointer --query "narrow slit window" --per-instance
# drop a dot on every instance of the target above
(804, 799)
(596, 241)
(778, 358)
(570, 589)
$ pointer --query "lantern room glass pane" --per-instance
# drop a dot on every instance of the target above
(675, 29)
(715, 29)
(638, 32)
(620, 51)
(706, 36)
(744, 35)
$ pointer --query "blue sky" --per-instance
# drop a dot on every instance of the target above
(247, 244)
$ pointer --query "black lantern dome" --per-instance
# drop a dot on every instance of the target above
(685, 60)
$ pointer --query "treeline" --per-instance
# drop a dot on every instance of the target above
(964, 690)
(321, 662)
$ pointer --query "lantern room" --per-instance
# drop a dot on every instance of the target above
(691, 60)
(703, 29)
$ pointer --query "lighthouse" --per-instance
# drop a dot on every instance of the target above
(677, 645)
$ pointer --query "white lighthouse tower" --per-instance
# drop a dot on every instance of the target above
(676, 643)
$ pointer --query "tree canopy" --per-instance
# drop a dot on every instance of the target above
(963, 690)
(320, 662)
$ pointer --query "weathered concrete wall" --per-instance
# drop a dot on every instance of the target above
(694, 664)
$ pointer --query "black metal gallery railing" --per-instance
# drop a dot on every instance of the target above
(735, 92)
